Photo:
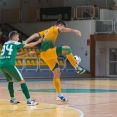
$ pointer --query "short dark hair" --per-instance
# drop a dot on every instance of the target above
(13, 33)
(59, 21)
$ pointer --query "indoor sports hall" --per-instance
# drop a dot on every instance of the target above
(91, 94)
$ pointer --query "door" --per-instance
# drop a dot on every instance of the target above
(102, 62)
(113, 61)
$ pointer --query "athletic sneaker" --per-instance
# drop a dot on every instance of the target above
(14, 101)
(61, 98)
(32, 103)
(79, 69)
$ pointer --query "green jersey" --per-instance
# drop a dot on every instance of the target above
(9, 52)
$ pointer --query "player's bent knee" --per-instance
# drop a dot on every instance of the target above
(57, 76)
(69, 51)
(21, 82)
(57, 73)
(66, 50)
(11, 80)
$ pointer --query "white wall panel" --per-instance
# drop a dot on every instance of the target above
(78, 44)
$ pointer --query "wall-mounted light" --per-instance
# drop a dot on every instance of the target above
(86, 53)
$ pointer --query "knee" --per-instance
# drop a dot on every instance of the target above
(11, 80)
(22, 81)
(67, 50)
(57, 73)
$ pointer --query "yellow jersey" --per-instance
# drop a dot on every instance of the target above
(49, 37)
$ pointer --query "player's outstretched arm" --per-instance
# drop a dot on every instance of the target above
(31, 38)
(33, 43)
(26, 53)
(70, 30)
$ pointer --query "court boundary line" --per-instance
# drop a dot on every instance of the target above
(82, 114)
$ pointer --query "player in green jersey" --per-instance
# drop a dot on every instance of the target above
(8, 68)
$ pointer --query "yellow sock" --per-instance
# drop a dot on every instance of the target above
(57, 84)
(71, 59)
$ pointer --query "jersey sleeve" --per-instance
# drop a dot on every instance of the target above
(19, 45)
(41, 34)
(56, 29)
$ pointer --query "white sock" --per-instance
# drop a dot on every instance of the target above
(12, 98)
(76, 66)
(59, 94)
(29, 99)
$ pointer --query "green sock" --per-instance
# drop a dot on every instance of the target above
(25, 90)
(11, 90)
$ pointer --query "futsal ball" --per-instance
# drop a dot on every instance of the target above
(77, 58)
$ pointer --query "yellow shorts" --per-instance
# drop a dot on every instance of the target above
(50, 57)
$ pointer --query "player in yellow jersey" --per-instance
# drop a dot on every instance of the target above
(49, 53)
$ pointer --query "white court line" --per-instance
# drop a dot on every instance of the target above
(82, 114)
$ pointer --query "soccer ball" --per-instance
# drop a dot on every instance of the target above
(77, 58)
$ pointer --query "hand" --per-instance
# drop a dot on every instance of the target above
(24, 42)
(78, 32)
(32, 52)
(40, 40)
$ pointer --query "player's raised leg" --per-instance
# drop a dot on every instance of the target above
(74, 62)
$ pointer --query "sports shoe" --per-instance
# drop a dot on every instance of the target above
(32, 103)
(61, 98)
(14, 101)
(79, 69)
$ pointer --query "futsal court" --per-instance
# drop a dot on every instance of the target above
(92, 94)
(87, 98)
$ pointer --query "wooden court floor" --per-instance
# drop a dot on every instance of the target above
(87, 98)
